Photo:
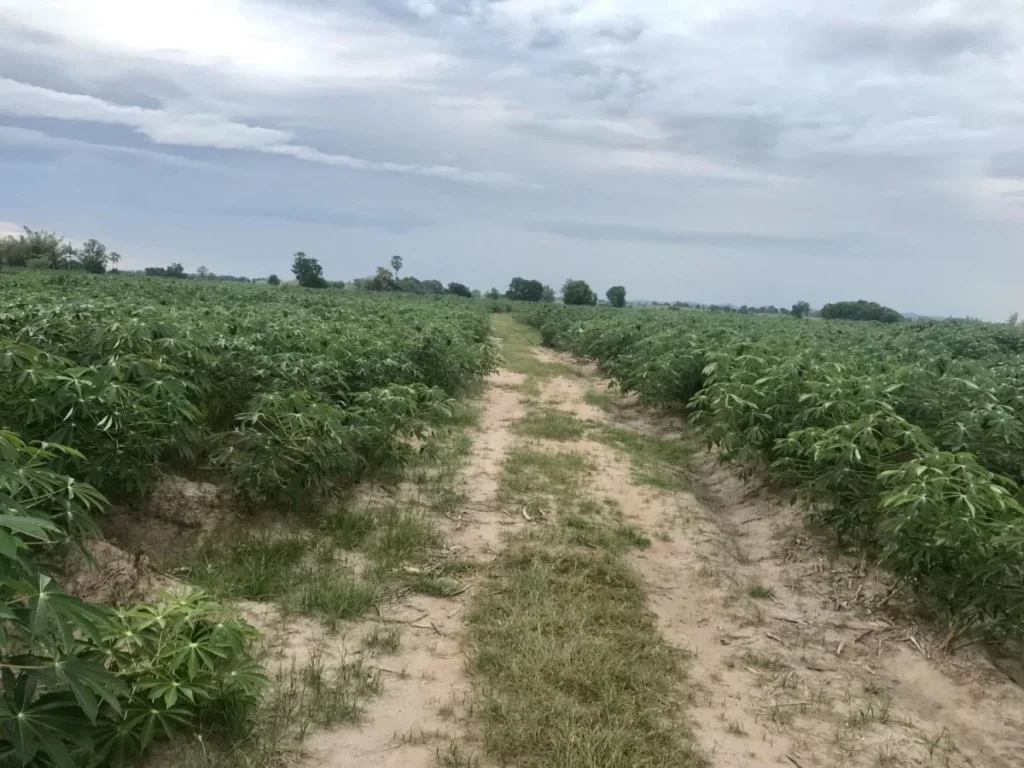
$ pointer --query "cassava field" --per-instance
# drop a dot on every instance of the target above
(245, 525)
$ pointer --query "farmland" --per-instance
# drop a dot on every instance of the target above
(437, 519)
(289, 397)
(908, 441)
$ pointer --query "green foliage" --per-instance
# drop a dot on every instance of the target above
(273, 280)
(907, 439)
(860, 310)
(36, 248)
(207, 373)
(175, 270)
(308, 271)
(521, 289)
(616, 296)
(493, 294)
(396, 264)
(94, 257)
(84, 685)
(458, 289)
(549, 294)
(578, 292)
(800, 309)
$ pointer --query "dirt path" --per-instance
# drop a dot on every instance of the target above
(799, 661)
(800, 657)
(425, 687)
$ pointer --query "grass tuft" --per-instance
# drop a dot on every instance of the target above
(658, 463)
(551, 424)
(573, 669)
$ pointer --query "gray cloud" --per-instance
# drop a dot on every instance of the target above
(926, 45)
(731, 240)
(658, 144)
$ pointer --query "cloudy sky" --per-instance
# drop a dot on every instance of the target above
(744, 151)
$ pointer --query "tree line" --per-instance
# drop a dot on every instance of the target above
(40, 249)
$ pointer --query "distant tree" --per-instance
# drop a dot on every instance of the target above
(93, 257)
(155, 272)
(203, 273)
(800, 309)
(45, 249)
(548, 296)
(1012, 320)
(308, 271)
(273, 280)
(521, 289)
(860, 310)
(396, 264)
(578, 292)
(175, 270)
(493, 294)
(458, 289)
(383, 280)
(616, 296)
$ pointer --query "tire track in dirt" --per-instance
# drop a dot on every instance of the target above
(425, 685)
(800, 658)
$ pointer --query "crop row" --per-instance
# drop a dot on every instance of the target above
(285, 392)
(908, 440)
(107, 383)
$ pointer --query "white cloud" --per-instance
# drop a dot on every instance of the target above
(206, 130)
(255, 40)
(9, 229)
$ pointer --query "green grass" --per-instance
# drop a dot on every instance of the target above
(517, 344)
(531, 477)
(335, 596)
(382, 640)
(588, 532)
(250, 566)
(550, 424)
(302, 697)
(658, 463)
(600, 399)
(572, 668)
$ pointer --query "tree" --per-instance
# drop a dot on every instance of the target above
(1012, 320)
(46, 249)
(308, 271)
(578, 292)
(493, 294)
(800, 309)
(273, 280)
(458, 289)
(93, 257)
(381, 281)
(175, 270)
(616, 296)
(203, 273)
(548, 297)
(396, 264)
(521, 289)
(860, 310)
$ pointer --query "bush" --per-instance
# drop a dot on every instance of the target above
(308, 271)
(578, 292)
(860, 310)
(616, 296)
(521, 289)
(458, 289)
(85, 685)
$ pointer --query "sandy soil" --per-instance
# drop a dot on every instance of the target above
(425, 686)
(801, 656)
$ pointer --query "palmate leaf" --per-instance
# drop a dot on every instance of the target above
(55, 616)
(45, 725)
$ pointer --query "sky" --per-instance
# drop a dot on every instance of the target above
(739, 151)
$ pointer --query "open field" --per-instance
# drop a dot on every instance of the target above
(399, 531)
